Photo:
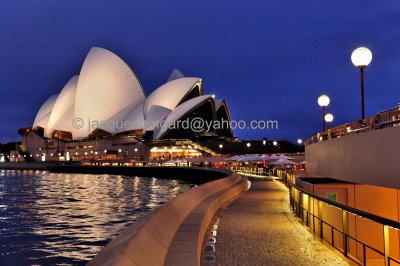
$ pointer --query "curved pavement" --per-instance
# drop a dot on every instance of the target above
(258, 228)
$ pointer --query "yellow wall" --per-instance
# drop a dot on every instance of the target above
(380, 201)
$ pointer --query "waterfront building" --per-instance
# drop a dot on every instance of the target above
(104, 114)
(355, 164)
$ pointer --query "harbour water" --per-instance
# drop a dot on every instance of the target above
(65, 219)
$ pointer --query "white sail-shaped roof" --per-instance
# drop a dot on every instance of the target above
(170, 94)
(106, 87)
(176, 74)
(63, 110)
(155, 116)
(43, 122)
(117, 123)
(65, 123)
(218, 103)
(179, 112)
(131, 120)
(107, 95)
(136, 116)
(42, 117)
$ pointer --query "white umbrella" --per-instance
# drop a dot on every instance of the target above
(283, 161)
(254, 158)
(273, 157)
(232, 158)
(282, 156)
(243, 158)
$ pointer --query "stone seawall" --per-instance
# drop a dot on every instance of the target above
(172, 235)
(26, 165)
(195, 175)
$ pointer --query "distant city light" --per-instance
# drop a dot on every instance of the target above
(248, 144)
(221, 146)
(275, 143)
(299, 141)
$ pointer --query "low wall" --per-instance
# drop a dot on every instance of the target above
(196, 175)
(367, 158)
(26, 165)
(172, 235)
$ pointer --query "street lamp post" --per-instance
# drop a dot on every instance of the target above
(329, 119)
(361, 57)
(323, 101)
(299, 142)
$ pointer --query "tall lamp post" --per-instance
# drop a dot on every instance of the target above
(299, 142)
(323, 101)
(329, 119)
(361, 57)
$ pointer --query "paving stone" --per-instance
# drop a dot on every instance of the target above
(258, 228)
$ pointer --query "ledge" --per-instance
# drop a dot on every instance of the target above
(173, 234)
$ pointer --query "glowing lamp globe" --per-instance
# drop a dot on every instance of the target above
(299, 141)
(328, 118)
(323, 101)
(361, 57)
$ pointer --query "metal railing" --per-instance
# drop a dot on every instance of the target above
(388, 118)
(314, 218)
(254, 171)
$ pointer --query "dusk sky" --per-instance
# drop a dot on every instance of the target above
(269, 59)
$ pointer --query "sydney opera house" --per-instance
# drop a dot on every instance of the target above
(104, 113)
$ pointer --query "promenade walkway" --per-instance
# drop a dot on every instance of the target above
(258, 228)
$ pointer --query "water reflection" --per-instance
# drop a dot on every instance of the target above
(48, 218)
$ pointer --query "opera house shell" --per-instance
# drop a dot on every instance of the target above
(108, 98)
